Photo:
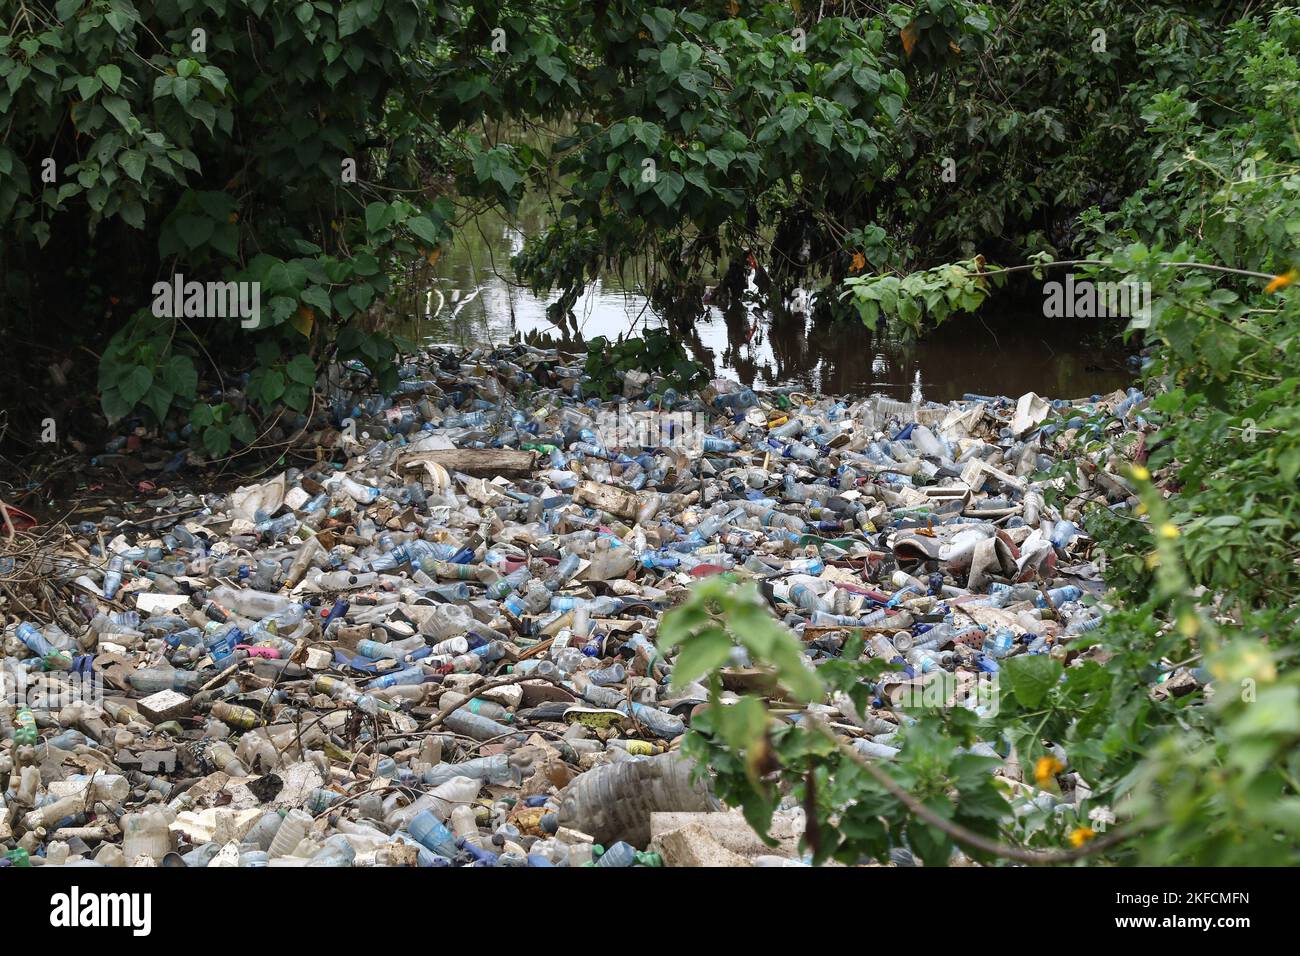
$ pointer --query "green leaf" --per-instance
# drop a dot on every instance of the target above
(361, 295)
(216, 439)
(701, 654)
(114, 406)
(179, 374)
(201, 415)
(301, 369)
(135, 384)
(377, 216)
(1031, 677)
(158, 399)
(349, 20)
(118, 108)
(423, 227)
(195, 230)
(133, 162)
(272, 388)
(318, 297)
(110, 76)
(241, 427)
(297, 397)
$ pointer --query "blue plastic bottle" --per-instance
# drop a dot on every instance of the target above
(432, 834)
(620, 854)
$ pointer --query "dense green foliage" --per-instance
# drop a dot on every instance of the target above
(214, 139)
(319, 148)
(210, 139)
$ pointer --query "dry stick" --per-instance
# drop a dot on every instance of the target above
(1207, 266)
(9, 525)
(969, 837)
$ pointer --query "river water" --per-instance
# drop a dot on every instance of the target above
(472, 298)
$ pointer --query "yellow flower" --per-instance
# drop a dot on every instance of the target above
(1046, 768)
(1169, 530)
(1081, 835)
(1140, 473)
(1282, 281)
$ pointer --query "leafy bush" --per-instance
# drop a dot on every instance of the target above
(1205, 572)
(216, 140)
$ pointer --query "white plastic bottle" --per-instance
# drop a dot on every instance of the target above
(463, 824)
(146, 834)
(291, 832)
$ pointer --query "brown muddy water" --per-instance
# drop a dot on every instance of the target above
(472, 299)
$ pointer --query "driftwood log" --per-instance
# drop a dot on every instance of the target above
(477, 462)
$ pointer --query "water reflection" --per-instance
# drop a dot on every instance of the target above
(474, 300)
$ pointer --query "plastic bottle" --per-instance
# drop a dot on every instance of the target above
(614, 801)
(620, 854)
(462, 721)
(293, 828)
(34, 640)
(564, 571)
(146, 834)
(476, 705)
(113, 577)
(433, 834)
(361, 494)
(1059, 596)
(250, 603)
(494, 770)
(999, 643)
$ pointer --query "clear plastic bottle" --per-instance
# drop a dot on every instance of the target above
(462, 721)
(263, 832)
(250, 603)
(476, 705)
(614, 801)
(113, 577)
(494, 770)
(361, 494)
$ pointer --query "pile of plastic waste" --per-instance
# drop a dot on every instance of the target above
(436, 644)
